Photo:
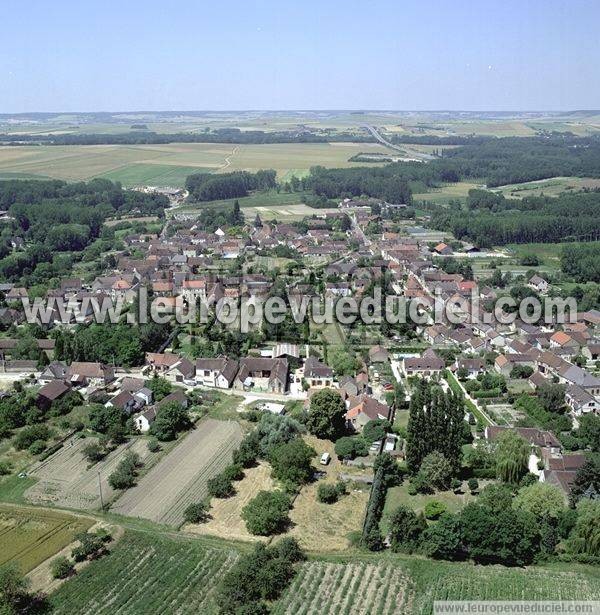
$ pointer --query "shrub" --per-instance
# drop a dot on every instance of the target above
(340, 487)
(233, 472)
(61, 567)
(350, 447)
(267, 513)
(434, 510)
(153, 445)
(196, 513)
(473, 485)
(93, 452)
(29, 434)
(220, 486)
(291, 462)
(37, 447)
(436, 471)
(327, 494)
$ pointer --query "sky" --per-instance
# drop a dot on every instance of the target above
(107, 55)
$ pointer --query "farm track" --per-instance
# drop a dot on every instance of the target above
(181, 477)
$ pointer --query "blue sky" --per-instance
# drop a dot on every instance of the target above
(90, 55)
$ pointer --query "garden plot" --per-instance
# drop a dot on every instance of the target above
(67, 479)
(181, 477)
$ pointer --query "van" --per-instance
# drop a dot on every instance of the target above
(325, 458)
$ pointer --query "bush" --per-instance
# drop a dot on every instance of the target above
(61, 568)
(196, 513)
(434, 510)
(5, 468)
(327, 494)
(233, 472)
(29, 434)
(93, 452)
(37, 447)
(291, 462)
(220, 486)
(350, 447)
(473, 485)
(267, 513)
(436, 471)
(153, 445)
(126, 472)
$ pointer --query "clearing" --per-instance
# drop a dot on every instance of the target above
(549, 187)
(30, 536)
(67, 479)
(181, 477)
(147, 573)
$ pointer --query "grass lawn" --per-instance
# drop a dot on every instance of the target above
(221, 406)
(12, 488)
(397, 496)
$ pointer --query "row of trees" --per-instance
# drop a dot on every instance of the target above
(210, 187)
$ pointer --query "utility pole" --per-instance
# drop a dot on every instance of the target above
(100, 489)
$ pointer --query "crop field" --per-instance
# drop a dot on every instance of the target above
(29, 536)
(147, 573)
(66, 478)
(170, 164)
(549, 187)
(181, 477)
(226, 520)
(340, 589)
(456, 191)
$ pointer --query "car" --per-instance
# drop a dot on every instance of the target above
(325, 459)
(388, 386)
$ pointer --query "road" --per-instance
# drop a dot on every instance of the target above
(381, 140)
(362, 238)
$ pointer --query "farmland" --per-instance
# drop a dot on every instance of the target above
(170, 164)
(400, 584)
(29, 536)
(357, 587)
(548, 187)
(64, 479)
(180, 478)
(147, 573)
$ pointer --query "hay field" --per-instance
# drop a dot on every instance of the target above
(29, 537)
(181, 477)
(170, 164)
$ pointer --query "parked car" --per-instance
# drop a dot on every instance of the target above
(325, 459)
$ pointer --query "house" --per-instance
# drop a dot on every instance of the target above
(57, 370)
(144, 420)
(473, 367)
(363, 409)
(219, 373)
(580, 401)
(443, 249)
(536, 437)
(93, 374)
(124, 401)
(317, 374)
(538, 284)
(561, 470)
(426, 366)
(50, 392)
(182, 371)
(161, 361)
(505, 363)
(378, 354)
(262, 374)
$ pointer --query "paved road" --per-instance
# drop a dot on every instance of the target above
(382, 140)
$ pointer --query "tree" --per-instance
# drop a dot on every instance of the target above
(589, 431)
(542, 500)
(160, 387)
(267, 513)
(442, 540)
(375, 429)
(585, 535)
(342, 362)
(220, 486)
(436, 471)
(61, 567)
(102, 418)
(496, 497)
(291, 462)
(552, 396)
(509, 537)
(405, 529)
(170, 419)
(196, 512)
(14, 595)
(326, 417)
(473, 485)
(93, 452)
(512, 456)
(350, 447)
(587, 476)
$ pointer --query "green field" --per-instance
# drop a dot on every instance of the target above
(147, 573)
(457, 191)
(29, 536)
(548, 187)
(170, 164)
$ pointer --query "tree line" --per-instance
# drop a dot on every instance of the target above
(210, 187)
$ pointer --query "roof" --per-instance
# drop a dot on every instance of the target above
(276, 368)
(88, 370)
(313, 368)
(175, 396)
(53, 390)
(369, 406)
(536, 437)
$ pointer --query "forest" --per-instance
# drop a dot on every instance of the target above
(55, 217)
(208, 187)
(492, 219)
